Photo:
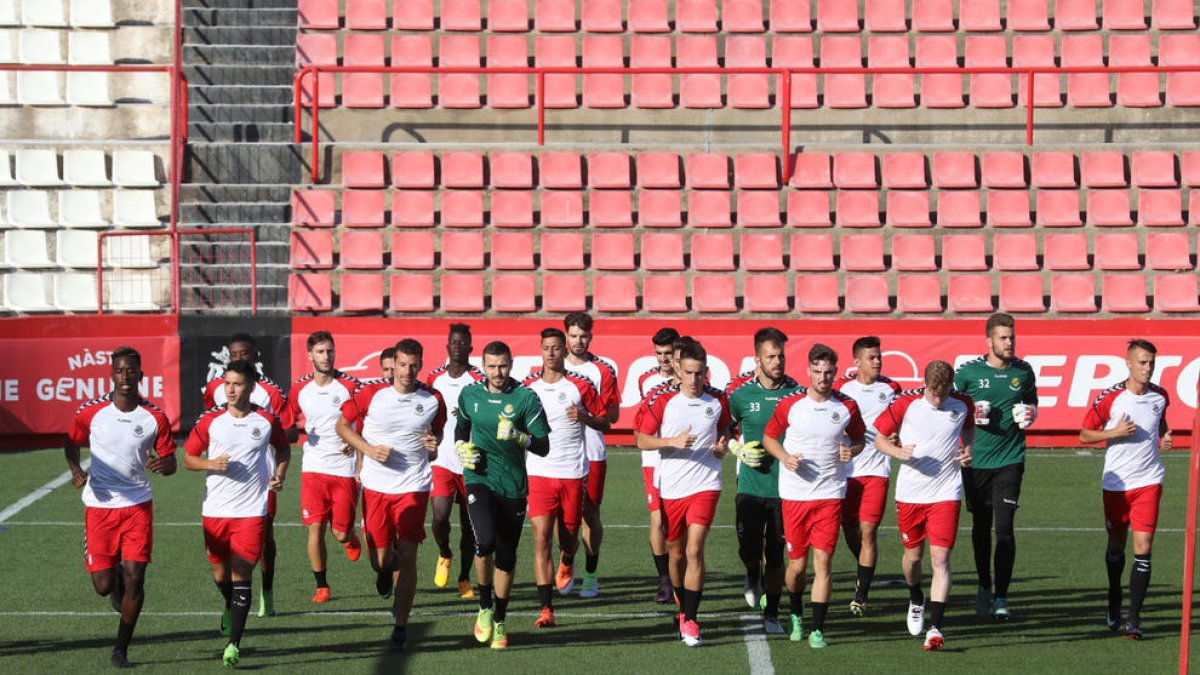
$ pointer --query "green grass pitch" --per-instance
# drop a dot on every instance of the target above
(52, 621)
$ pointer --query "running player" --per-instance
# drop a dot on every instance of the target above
(1130, 419)
(248, 456)
(688, 424)
(556, 487)
(867, 483)
(663, 374)
(402, 421)
(1004, 389)
(126, 435)
(387, 363)
(328, 492)
(269, 395)
(498, 421)
(448, 486)
(602, 375)
(812, 483)
(759, 514)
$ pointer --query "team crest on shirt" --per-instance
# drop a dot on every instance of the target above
(562, 397)
(256, 433)
(420, 408)
(1156, 408)
(508, 409)
(138, 430)
(954, 416)
(836, 416)
(337, 400)
(710, 413)
(882, 397)
(1015, 384)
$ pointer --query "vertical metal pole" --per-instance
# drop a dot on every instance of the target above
(253, 273)
(541, 107)
(1029, 110)
(316, 125)
(786, 96)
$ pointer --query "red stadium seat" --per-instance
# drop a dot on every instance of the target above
(867, 294)
(1134, 90)
(858, 208)
(696, 16)
(361, 250)
(462, 208)
(812, 253)
(854, 170)
(313, 208)
(318, 14)
(698, 91)
(885, 16)
(564, 293)
(1194, 207)
(658, 208)
(1003, 170)
(795, 51)
(411, 90)
(954, 170)
(557, 51)
(758, 208)
(862, 253)
(512, 208)
(1028, 15)
(462, 250)
(610, 208)
(412, 169)
(366, 14)
(1075, 15)
(791, 16)
(651, 90)
(362, 169)
(1153, 169)
(1160, 208)
(834, 16)
(711, 171)
(755, 171)
(413, 250)
(602, 16)
(958, 208)
(1034, 51)
(742, 16)
(412, 15)
(1175, 293)
(511, 170)
(508, 16)
(1086, 90)
(1190, 168)
(462, 292)
(1167, 251)
(603, 90)
(808, 209)
(1108, 208)
(648, 16)
(507, 90)
(904, 170)
(310, 293)
(512, 251)
(1123, 15)
(914, 253)
(560, 170)
(612, 251)
(762, 253)
(1021, 293)
(1103, 169)
(615, 293)
(988, 90)
(843, 91)
(712, 252)
(1120, 251)
(1124, 293)
(713, 294)
(608, 170)
(1072, 293)
(462, 170)
(979, 15)
(555, 16)
(513, 293)
(1053, 170)
(752, 90)
(709, 208)
(562, 251)
(811, 170)
(894, 90)
(1014, 252)
(362, 293)
(767, 293)
(933, 16)
(658, 170)
(363, 208)
(662, 252)
(1066, 252)
(461, 15)
(1008, 208)
(939, 51)
(908, 208)
(411, 293)
(964, 253)
(1173, 15)
(1058, 208)
(311, 250)
(969, 293)
(320, 49)
(666, 293)
(816, 294)
(458, 90)
(918, 294)
(412, 208)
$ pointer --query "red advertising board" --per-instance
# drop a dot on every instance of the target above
(1074, 359)
(54, 364)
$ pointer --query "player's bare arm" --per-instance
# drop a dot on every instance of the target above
(1123, 429)
(1164, 436)
(721, 448)
(163, 466)
(197, 463)
(681, 441)
(78, 475)
(889, 445)
(776, 449)
(283, 457)
(347, 433)
(431, 442)
(849, 452)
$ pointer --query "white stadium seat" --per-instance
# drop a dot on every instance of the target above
(26, 249)
(85, 168)
(76, 249)
(41, 47)
(130, 292)
(6, 92)
(27, 292)
(8, 46)
(37, 167)
(134, 168)
(86, 48)
(88, 89)
(45, 13)
(134, 208)
(80, 209)
(8, 13)
(75, 291)
(29, 208)
(91, 13)
(6, 176)
(39, 88)
(129, 253)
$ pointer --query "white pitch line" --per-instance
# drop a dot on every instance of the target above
(380, 613)
(757, 649)
(40, 492)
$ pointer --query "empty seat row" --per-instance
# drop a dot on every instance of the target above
(766, 293)
(41, 88)
(75, 249)
(126, 291)
(55, 13)
(44, 47)
(745, 16)
(80, 209)
(42, 167)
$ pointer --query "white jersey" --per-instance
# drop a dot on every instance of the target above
(815, 432)
(401, 421)
(250, 442)
(649, 381)
(932, 474)
(1133, 462)
(603, 376)
(683, 472)
(120, 444)
(872, 399)
(568, 450)
(450, 387)
(321, 407)
(267, 394)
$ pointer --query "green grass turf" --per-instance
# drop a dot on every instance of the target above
(1057, 597)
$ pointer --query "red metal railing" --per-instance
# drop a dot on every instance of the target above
(1189, 546)
(783, 76)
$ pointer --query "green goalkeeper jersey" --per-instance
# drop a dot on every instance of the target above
(501, 465)
(752, 406)
(1000, 442)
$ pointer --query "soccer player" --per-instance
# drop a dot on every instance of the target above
(1130, 419)
(1004, 390)
(402, 421)
(269, 395)
(598, 371)
(935, 428)
(248, 456)
(126, 435)
(556, 487)
(448, 486)
(498, 421)
(867, 481)
(806, 435)
(328, 491)
(688, 425)
(663, 374)
(759, 513)
(387, 363)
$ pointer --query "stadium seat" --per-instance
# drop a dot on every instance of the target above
(769, 293)
(361, 250)
(1190, 168)
(834, 16)
(1123, 15)
(796, 51)
(1075, 15)
(132, 168)
(862, 253)
(1015, 252)
(310, 292)
(904, 170)
(513, 293)
(1120, 251)
(884, 16)
(461, 15)
(614, 293)
(651, 90)
(310, 249)
(363, 90)
(1035, 51)
(1103, 169)
(363, 208)
(361, 293)
(914, 253)
(608, 170)
(1021, 293)
(366, 15)
(458, 90)
(890, 90)
(511, 208)
(664, 293)
(320, 49)
(413, 250)
(908, 208)
(1003, 170)
(1173, 15)
(812, 253)
(562, 251)
(1028, 15)
(1072, 293)
(37, 168)
(964, 253)
(9, 16)
(1058, 208)
(1167, 251)
(1124, 293)
(564, 293)
(954, 170)
(1086, 90)
(712, 252)
(129, 253)
(979, 15)
(816, 294)
(758, 208)
(854, 170)
(511, 170)
(81, 168)
(1175, 293)
(808, 209)
(1153, 169)
(88, 89)
(742, 16)
(6, 173)
(696, 16)
(747, 90)
(811, 170)
(80, 209)
(88, 48)
(411, 293)
(458, 170)
(658, 170)
(312, 14)
(412, 208)
(462, 292)
(704, 90)
(26, 249)
(709, 208)
(918, 294)
(662, 252)
(508, 16)
(409, 169)
(858, 208)
(462, 208)
(755, 171)
(790, 16)
(711, 171)
(29, 208)
(313, 208)
(648, 16)
(409, 90)
(612, 251)
(1008, 208)
(714, 294)
(1134, 90)
(867, 294)
(657, 208)
(560, 170)
(507, 90)
(364, 169)
(462, 250)
(1066, 252)
(562, 208)
(1160, 208)
(843, 91)
(27, 292)
(600, 16)
(603, 90)
(91, 14)
(988, 90)
(762, 252)
(135, 208)
(938, 51)
(1108, 208)
(75, 292)
(412, 15)
(131, 292)
(555, 16)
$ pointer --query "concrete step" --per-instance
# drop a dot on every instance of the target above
(240, 95)
(234, 213)
(255, 114)
(283, 18)
(240, 35)
(211, 193)
(238, 132)
(239, 4)
(256, 163)
(239, 54)
(271, 76)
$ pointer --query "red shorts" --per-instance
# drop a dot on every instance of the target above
(388, 517)
(446, 483)
(653, 501)
(325, 498)
(272, 504)
(113, 535)
(938, 522)
(812, 523)
(242, 537)
(597, 471)
(697, 509)
(865, 497)
(1138, 507)
(558, 497)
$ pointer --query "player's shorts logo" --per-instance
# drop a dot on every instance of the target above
(256, 433)
(304, 512)
(470, 499)
(138, 430)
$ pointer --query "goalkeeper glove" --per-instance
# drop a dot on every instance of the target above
(748, 453)
(505, 431)
(467, 454)
(1024, 415)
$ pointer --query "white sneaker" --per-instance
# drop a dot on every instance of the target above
(752, 594)
(771, 626)
(933, 640)
(916, 619)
